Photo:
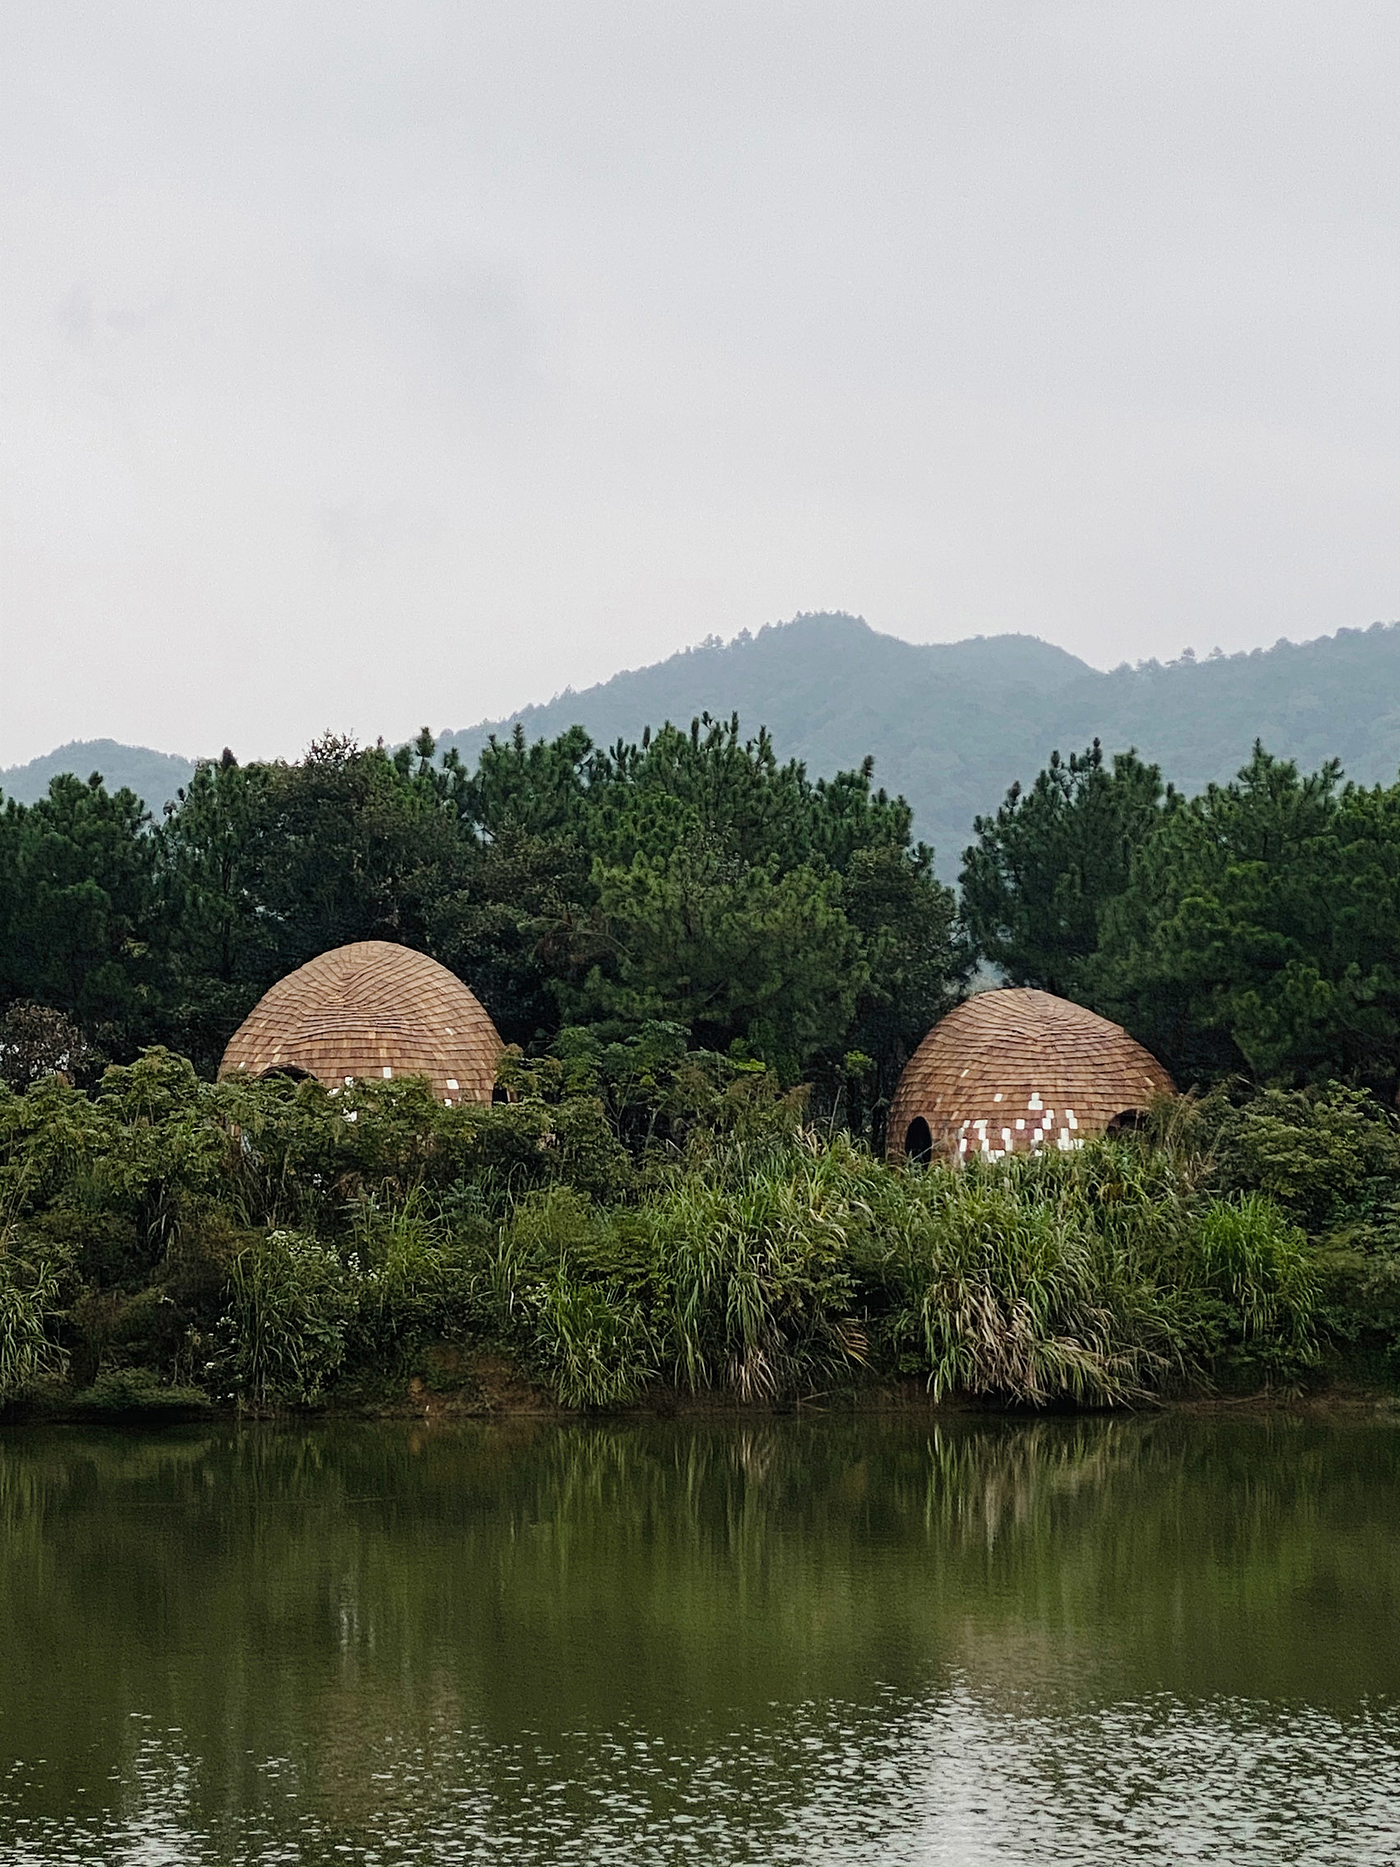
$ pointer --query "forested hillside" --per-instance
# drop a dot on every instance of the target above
(952, 725)
(155, 777)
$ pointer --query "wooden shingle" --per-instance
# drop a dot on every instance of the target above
(1017, 1070)
(374, 1011)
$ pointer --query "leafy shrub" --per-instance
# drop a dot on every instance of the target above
(1329, 1157)
(135, 1393)
(27, 1352)
(291, 1301)
(1260, 1272)
(419, 1282)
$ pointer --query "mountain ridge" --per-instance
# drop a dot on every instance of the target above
(951, 724)
(153, 776)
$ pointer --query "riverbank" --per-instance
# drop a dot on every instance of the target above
(492, 1387)
(181, 1246)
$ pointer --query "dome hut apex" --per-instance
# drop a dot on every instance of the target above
(371, 1011)
(1014, 1071)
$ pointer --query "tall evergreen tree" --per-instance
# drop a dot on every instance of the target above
(1036, 883)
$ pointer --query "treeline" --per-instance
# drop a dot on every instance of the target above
(692, 879)
(1250, 933)
(712, 969)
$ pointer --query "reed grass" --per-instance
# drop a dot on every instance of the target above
(296, 1251)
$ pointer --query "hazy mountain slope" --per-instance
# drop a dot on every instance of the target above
(830, 689)
(153, 776)
(951, 725)
(1338, 697)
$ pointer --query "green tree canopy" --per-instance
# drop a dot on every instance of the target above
(1038, 879)
(690, 880)
(79, 923)
(1261, 931)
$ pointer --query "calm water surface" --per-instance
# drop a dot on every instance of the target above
(1155, 1641)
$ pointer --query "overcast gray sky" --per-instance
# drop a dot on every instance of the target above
(367, 364)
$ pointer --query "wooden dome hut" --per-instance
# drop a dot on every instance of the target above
(371, 1011)
(1013, 1071)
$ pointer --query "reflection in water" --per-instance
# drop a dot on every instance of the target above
(1159, 1641)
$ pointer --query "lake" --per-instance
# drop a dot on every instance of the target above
(1161, 1639)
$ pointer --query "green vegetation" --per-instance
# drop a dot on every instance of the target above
(711, 970)
(692, 879)
(250, 1241)
(949, 723)
(1252, 932)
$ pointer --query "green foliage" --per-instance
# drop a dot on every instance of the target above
(754, 1275)
(1007, 1294)
(734, 897)
(690, 879)
(644, 1215)
(1259, 935)
(566, 1288)
(28, 1297)
(1037, 882)
(1261, 1281)
(1252, 931)
(1329, 1158)
(291, 1301)
(136, 1394)
(79, 909)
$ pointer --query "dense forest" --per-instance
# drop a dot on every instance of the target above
(711, 969)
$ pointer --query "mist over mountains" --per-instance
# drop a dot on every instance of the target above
(949, 725)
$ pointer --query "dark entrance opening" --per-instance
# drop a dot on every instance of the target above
(289, 1070)
(918, 1142)
(500, 1093)
(1129, 1121)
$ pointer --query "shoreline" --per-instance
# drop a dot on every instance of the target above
(497, 1391)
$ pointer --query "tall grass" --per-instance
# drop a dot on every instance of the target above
(290, 1303)
(756, 1283)
(1099, 1278)
(27, 1352)
(291, 1250)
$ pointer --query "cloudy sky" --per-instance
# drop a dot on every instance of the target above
(366, 364)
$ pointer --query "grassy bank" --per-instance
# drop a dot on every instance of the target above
(171, 1243)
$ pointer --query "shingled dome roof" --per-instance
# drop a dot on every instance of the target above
(371, 1010)
(1014, 1071)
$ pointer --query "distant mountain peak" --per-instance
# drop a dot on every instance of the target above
(950, 724)
(155, 777)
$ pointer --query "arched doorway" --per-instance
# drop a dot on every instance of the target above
(918, 1142)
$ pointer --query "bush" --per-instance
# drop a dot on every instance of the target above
(642, 1214)
(1033, 1280)
(1257, 1272)
(135, 1393)
(27, 1353)
(756, 1291)
(291, 1301)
